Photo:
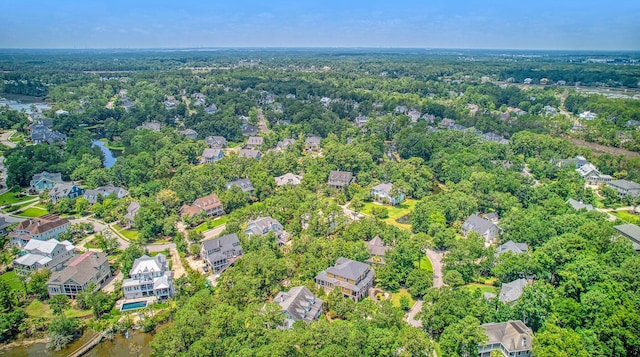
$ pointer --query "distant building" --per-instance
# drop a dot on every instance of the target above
(312, 143)
(212, 109)
(43, 134)
(220, 253)
(210, 155)
(288, 179)
(340, 179)
(250, 153)
(244, 184)
(150, 125)
(65, 190)
(578, 205)
(298, 304)
(631, 232)
(170, 103)
(414, 115)
(625, 188)
(511, 246)
(250, 130)
(75, 277)
(384, 193)
(44, 181)
(149, 276)
(254, 142)
(360, 120)
(132, 211)
(189, 133)
(50, 254)
(41, 228)
(264, 225)
(588, 115)
(216, 142)
(104, 191)
(512, 338)
(209, 205)
(494, 138)
(378, 249)
(483, 227)
(354, 279)
(285, 144)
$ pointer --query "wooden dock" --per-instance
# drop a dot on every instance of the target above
(93, 342)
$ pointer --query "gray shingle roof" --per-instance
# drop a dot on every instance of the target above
(348, 268)
(578, 205)
(513, 335)
(513, 247)
(512, 291)
(477, 224)
(81, 269)
(299, 303)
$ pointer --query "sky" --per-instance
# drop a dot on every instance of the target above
(484, 24)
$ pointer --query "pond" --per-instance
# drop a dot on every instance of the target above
(119, 346)
(109, 158)
(406, 219)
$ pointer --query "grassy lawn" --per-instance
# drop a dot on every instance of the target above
(15, 282)
(16, 137)
(38, 308)
(627, 217)
(395, 212)
(129, 234)
(11, 197)
(483, 288)
(33, 212)
(395, 297)
(425, 264)
(211, 224)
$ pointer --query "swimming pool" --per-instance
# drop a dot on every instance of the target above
(133, 305)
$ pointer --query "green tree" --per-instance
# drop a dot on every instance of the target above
(37, 284)
(59, 303)
(555, 341)
(62, 330)
(462, 338)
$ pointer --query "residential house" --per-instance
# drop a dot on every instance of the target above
(41, 228)
(44, 181)
(625, 188)
(244, 184)
(209, 205)
(211, 155)
(104, 191)
(216, 142)
(511, 246)
(588, 115)
(631, 232)
(561, 83)
(401, 109)
(170, 103)
(361, 120)
(578, 205)
(512, 291)
(42, 134)
(127, 104)
(220, 253)
(212, 109)
(527, 81)
(492, 217)
(50, 254)
(384, 193)
(199, 99)
(150, 125)
(325, 101)
(75, 277)
(254, 142)
(61, 112)
(65, 190)
(288, 179)
(354, 279)
(378, 249)
(285, 144)
(290, 96)
(549, 110)
(414, 115)
(189, 133)
(149, 276)
(591, 174)
(250, 130)
(340, 179)
(430, 118)
(494, 138)
(250, 153)
(447, 123)
(263, 225)
(483, 227)
(299, 304)
(312, 143)
(511, 338)
(132, 211)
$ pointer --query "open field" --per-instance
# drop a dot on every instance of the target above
(32, 212)
(627, 217)
(211, 224)
(395, 212)
(12, 197)
(395, 297)
(15, 282)
(38, 308)
(482, 287)
(129, 234)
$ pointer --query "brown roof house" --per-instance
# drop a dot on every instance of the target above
(41, 228)
(512, 338)
(209, 205)
(90, 267)
(354, 279)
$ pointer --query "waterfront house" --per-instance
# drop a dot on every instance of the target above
(78, 273)
(149, 276)
(50, 254)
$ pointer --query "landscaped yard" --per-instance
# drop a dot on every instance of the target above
(395, 297)
(425, 264)
(33, 212)
(130, 234)
(12, 197)
(626, 216)
(483, 288)
(15, 282)
(38, 308)
(211, 224)
(395, 212)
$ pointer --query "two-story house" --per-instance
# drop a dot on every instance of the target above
(625, 188)
(216, 142)
(149, 276)
(264, 225)
(130, 216)
(384, 193)
(65, 190)
(288, 179)
(512, 338)
(250, 153)
(312, 143)
(298, 304)
(483, 227)
(50, 254)
(41, 228)
(44, 181)
(78, 273)
(93, 195)
(340, 179)
(220, 253)
(354, 279)
(210, 155)
(244, 184)
(254, 142)
(209, 205)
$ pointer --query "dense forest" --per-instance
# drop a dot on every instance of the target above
(456, 134)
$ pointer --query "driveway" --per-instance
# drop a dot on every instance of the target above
(411, 314)
(213, 233)
(436, 264)
(4, 138)
(351, 214)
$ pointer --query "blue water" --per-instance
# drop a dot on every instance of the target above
(109, 159)
(26, 107)
(133, 305)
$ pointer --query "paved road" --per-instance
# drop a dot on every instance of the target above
(436, 264)
(351, 214)
(4, 138)
(411, 314)
(210, 234)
